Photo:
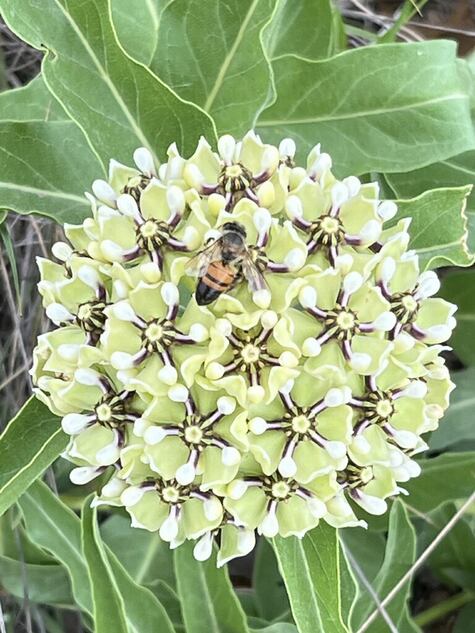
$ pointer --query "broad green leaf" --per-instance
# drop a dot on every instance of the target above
(208, 602)
(119, 104)
(51, 525)
(438, 228)
(465, 618)
(452, 172)
(399, 555)
(136, 24)
(143, 554)
(46, 169)
(227, 74)
(278, 627)
(310, 568)
(109, 608)
(457, 427)
(303, 28)
(33, 102)
(374, 108)
(348, 588)
(447, 477)
(454, 558)
(458, 287)
(270, 595)
(31, 442)
(45, 584)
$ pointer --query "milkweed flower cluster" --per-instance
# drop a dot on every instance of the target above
(265, 411)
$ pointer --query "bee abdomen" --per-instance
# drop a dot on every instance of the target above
(217, 279)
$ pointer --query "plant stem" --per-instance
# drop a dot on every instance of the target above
(447, 606)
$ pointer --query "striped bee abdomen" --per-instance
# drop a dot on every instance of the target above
(217, 279)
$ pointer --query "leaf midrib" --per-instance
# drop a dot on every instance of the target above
(44, 192)
(229, 58)
(360, 113)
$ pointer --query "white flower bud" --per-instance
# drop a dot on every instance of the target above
(178, 393)
(256, 394)
(288, 359)
(270, 159)
(236, 489)
(336, 396)
(269, 526)
(287, 466)
(353, 185)
(360, 361)
(214, 371)
(108, 455)
(151, 272)
(144, 160)
(87, 377)
(269, 319)
(154, 435)
(371, 231)
(295, 259)
(226, 148)
(308, 297)
(287, 147)
(415, 389)
(230, 456)
(262, 298)
(226, 405)
(339, 194)
(193, 176)
(123, 311)
(405, 439)
(311, 347)
(212, 508)
(388, 268)
(170, 294)
(385, 322)
(112, 251)
(257, 425)
(335, 449)
(262, 220)
(104, 192)
(58, 313)
(361, 445)
(62, 251)
(69, 352)
(203, 548)
(169, 529)
(122, 360)
(84, 474)
(352, 282)
(113, 488)
(387, 210)
(372, 505)
(294, 207)
(175, 199)
(74, 423)
(128, 206)
(428, 285)
(168, 375)
(185, 474)
(198, 333)
(140, 426)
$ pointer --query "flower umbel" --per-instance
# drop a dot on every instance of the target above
(275, 405)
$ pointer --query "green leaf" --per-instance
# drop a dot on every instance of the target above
(119, 104)
(143, 554)
(270, 595)
(438, 228)
(454, 559)
(374, 108)
(348, 588)
(226, 74)
(109, 608)
(278, 627)
(31, 442)
(465, 619)
(51, 525)
(457, 426)
(399, 555)
(33, 102)
(303, 28)
(452, 172)
(310, 569)
(46, 584)
(209, 604)
(447, 477)
(457, 286)
(46, 169)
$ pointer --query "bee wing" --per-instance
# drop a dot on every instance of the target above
(253, 275)
(197, 265)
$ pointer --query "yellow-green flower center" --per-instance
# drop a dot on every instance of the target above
(170, 494)
(384, 408)
(250, 353)
(104, 412)
(193, 434)
(330, 225)
(300, 424)
(280, 489)
(154, 332)
(409, 303)
(346, 320)
(85, 311)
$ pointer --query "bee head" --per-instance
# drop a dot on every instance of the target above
(234, 227)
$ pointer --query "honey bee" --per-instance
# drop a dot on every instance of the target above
(221, 265)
